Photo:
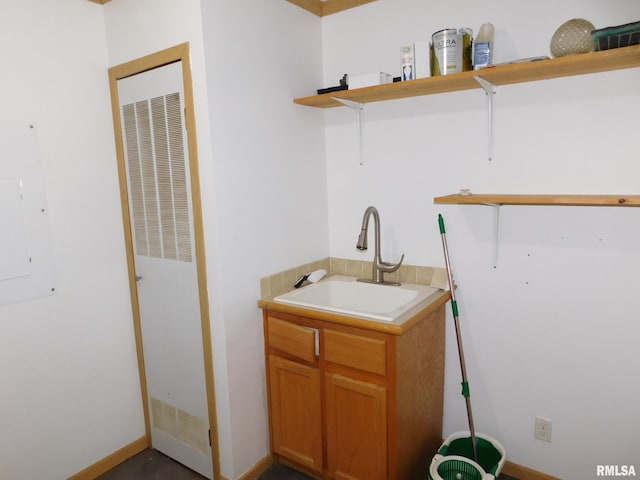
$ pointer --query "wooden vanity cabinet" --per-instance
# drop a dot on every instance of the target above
(349, 402)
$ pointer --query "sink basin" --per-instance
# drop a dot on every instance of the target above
(345, 295)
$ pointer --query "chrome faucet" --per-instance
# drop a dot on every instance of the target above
(379, 267)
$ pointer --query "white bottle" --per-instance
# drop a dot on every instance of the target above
(483, 47)
(407, 63)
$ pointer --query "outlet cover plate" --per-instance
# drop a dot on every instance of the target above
(543, 429)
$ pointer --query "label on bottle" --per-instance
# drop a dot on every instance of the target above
(407, 63)
(481, 54)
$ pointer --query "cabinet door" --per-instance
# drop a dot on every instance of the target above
(356, 429)
(295, 398)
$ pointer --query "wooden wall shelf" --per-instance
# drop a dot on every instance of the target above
(557, 200)
(603, 61)
(498, 200)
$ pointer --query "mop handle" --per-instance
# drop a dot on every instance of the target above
(452, 290)
(454, 307)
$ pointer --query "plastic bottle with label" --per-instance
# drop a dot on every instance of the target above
(407, 63)
(483, 47)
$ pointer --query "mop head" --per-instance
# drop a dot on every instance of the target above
(455, 457)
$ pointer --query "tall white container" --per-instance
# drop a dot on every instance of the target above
(407, 63)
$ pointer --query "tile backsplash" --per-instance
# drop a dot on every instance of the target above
(282, 282)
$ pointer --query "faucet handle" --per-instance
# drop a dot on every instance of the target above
(391, 267)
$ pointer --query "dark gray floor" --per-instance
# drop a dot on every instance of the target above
(153, 465)
(280, 472)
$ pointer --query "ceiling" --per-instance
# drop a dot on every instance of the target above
(317, 7)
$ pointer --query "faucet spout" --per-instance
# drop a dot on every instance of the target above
(379, 267)
(362, 240)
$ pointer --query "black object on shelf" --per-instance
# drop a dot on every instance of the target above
(616, 37)
(343, 86)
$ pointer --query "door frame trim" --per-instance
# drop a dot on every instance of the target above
(178, 53)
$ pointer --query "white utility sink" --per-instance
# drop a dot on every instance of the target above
(346, 295)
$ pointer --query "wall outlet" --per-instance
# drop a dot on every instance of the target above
(543, 429)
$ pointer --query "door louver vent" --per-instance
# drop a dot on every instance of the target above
(158, 178)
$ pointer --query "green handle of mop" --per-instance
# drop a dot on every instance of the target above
(441, 223)
(465, 390)
(454, 307)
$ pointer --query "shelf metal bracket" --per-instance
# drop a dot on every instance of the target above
(490, 89)
(496, 231)
(358, 108)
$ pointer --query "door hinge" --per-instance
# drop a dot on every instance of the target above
(209, 437)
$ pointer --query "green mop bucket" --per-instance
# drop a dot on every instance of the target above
(457, 450)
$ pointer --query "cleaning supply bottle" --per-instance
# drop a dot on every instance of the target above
(408, 70)
(483, 47)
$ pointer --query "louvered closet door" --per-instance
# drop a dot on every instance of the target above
(157, 168)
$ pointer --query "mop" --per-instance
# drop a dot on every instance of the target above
(454, 461)
(463, 368)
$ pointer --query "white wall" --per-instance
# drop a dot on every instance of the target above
(70, 389)
(138, 28)
(262, 174)
(269, 182)
(552, 330)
